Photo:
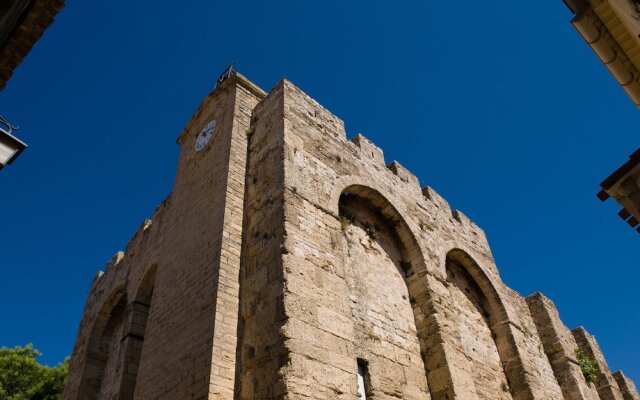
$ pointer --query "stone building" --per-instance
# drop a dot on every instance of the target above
(612, 29)
(22, 22)
(624, 186)
(292, 263)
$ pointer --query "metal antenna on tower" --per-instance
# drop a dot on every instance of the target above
(228, 73)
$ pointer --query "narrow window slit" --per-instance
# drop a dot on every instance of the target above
(363, 380)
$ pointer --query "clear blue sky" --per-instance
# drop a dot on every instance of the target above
(500, 106)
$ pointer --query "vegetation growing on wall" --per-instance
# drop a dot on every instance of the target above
(372, 233)
(587, 365)
(345, 222)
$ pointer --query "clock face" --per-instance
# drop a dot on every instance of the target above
(205, 134)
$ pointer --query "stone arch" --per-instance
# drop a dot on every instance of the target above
(379, 199)
(144, 291)
(463, 256)
(102, 354)
(134, 334)
(383, 260)
(478, 287)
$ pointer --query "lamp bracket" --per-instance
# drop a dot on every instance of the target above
(6, 127)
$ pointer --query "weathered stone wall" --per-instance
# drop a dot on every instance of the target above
(112, 345)
(320, 165)
(627, 387)
(384, 334)
(260, 350)
(194, 245)
(288, 260)
(607, 387)
(470, 313)
(560, 347)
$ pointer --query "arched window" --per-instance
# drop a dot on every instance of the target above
(102, 364)
(471, 312)
(380, 254)
(477, 300)
(133, 338)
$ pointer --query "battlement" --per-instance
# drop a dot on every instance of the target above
(403, 173)
(626, 385)
(436, 199)
(368, 148)
(112, 264)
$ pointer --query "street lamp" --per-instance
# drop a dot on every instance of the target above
(10, 146)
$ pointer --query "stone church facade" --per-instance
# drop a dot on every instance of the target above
(291, 263)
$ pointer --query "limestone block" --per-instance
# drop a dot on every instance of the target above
(404, 174)
(434, 197)
(368, 148)
(606, 385)
(560, 346)
(626, 385)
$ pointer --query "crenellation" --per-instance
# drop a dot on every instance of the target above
(626, 385)
(606, 385)
(542, 379)
(115, 260)
(137, 237)
(368, 148)
(404, 174)
(474, 232)
(287, 258)
(460, 217)
(436, 199)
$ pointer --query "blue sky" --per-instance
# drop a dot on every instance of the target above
(501, 107)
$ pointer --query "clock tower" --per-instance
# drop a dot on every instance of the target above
(175, 287)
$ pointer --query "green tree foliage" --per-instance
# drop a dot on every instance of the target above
(24, 378)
